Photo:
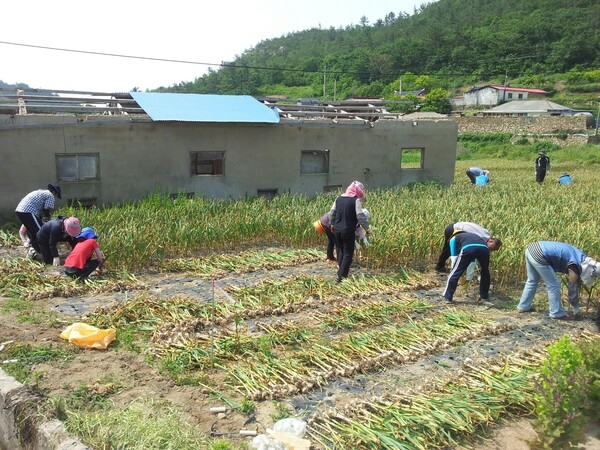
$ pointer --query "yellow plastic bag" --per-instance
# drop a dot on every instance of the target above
(87, 336)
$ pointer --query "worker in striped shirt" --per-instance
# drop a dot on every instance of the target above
(35, 208)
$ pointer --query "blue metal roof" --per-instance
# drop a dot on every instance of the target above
(204, 108)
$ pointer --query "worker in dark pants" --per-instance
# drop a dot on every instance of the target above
(452, 230)
(464, 249)
(474, 172)
(542, 165)
(346, 214)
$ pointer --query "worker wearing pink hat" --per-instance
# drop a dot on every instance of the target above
(346, 214)
(54, 231)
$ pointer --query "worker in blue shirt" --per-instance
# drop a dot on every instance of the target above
(565, 178)
(482, 180)
(464, 249)
(543, 260)
(474, 172)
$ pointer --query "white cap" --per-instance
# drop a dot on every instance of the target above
(590, 268)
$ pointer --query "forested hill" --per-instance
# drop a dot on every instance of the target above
(443, 44)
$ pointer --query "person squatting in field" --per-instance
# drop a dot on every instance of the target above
(80, 264)
(54, 231)
(464, 249)
(474, 172)
(565, 179)
(544, 259)
(345, 215)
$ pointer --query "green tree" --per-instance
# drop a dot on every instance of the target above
(437, 101)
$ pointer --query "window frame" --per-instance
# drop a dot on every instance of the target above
(77, 178)
(325, 166)
(421, 150)
(217, 164)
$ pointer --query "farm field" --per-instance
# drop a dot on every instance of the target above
(239, 310)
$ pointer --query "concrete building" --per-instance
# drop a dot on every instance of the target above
(491, 95)
(127, 146)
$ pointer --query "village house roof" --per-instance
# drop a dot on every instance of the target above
(500, 87)
(516, 89)
(188, 107)
(424, 115)
(204, 108)
(529, 107)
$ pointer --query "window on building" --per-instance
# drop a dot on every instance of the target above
(509, 95)
(77, 167)
(520, 96)
(207, 163)
(269, 194)
(314, 161)
(411, 158)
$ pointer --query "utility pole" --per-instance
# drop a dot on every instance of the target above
(334, 88)
(324, 81)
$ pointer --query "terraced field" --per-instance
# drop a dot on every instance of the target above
(374, 362)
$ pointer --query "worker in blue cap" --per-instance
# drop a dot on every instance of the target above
(80, 262)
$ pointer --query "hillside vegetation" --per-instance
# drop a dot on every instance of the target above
(446, 44)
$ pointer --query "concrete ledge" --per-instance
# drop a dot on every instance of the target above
(19, 430)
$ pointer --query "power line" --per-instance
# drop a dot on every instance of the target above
(87, 52)
(233, 66)
(147, 58)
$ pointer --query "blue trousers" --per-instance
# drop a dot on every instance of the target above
(537, 270)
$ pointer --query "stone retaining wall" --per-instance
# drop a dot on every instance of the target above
(560, 130)
(18, 430)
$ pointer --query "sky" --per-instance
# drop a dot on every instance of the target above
(192, 35)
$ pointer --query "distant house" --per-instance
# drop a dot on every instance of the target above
(420, 93)
(530, 108)
(492, 95)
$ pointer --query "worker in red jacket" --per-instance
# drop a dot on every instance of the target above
(80, 262)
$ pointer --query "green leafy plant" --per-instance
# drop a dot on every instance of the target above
(247, 407)
(282, 411)
(591, 356)
(562, 396)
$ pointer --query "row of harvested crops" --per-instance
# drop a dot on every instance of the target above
(364, 326)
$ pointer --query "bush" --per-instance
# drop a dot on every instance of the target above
(545, 145)
(497, 138)
(562, 396)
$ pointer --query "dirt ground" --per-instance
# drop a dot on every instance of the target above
(138, 380)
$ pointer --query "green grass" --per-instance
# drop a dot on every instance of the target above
(23, 357)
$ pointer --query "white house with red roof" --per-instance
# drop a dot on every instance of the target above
(493, 94)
